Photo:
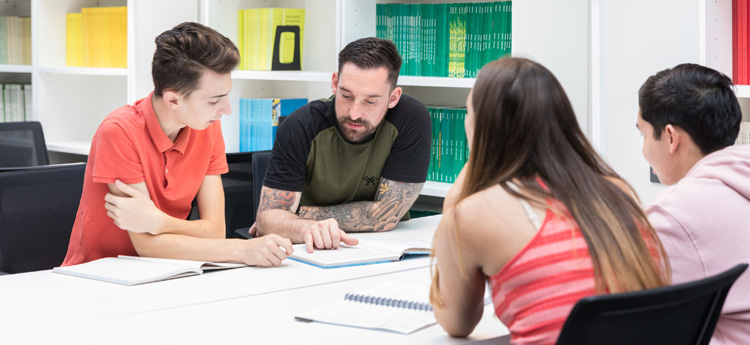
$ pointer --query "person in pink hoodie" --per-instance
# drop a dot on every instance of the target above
(689, 118)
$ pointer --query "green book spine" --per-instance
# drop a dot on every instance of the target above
(442, 49)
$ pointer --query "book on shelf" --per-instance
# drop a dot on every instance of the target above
(390, 306)
(450, 150)
(133, 270)
(96, 37)
(448, 39)
(15, 102)
(368, 251)
(259, 120)
(743, 137)
(15, 40)
(741, 42)
(270, 38)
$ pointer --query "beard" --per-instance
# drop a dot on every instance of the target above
(351, 134)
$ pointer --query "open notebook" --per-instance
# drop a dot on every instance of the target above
(368, 251)
(390, 306)
(133, 270)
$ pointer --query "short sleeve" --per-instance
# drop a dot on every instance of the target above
(288, 163)
(218, 164)
(114, 155)
(409, 158)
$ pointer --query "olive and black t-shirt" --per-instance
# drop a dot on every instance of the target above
(310, 155)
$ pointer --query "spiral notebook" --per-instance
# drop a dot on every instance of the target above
(390, 306)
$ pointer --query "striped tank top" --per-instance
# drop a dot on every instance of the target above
(535, 291)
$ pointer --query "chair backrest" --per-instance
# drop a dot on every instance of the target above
(260, 164)
(238, 192)
(22, 144)
(38, 207)
(679, 314)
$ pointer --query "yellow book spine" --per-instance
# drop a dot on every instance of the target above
(254, 51)
(264, 63)
(241, 37)
(292, 17)
(87, 35)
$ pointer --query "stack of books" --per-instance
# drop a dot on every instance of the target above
(446, 40)
(257, 36)
(741, 42)
(259, 120)
(450, 150)
(15, 102)
(97, 37)
(743, 137)
(15, 40)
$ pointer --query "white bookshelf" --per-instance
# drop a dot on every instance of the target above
(70, 102)
(15, 68)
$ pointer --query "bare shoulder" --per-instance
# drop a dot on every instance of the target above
(486, 214)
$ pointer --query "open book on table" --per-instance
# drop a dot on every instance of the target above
(390, 306)
(368, 251)
(133, 270)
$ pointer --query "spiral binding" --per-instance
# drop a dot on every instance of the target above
(388, 302)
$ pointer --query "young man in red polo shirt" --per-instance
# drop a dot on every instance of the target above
(150, 160)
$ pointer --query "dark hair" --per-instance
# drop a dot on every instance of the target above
(695, 98)
(372, 52)
(525, 128)
(182, 54)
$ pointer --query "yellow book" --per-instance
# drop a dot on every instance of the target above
(241, 37)
(264, 63)
(253, 52)
(122, 39)
(292, 17)
(275, 18)
(72, 39)
(87, 29)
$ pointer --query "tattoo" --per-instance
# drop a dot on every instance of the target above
(275, 199)
(392, 201)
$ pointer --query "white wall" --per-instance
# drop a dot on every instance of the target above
(637, 39)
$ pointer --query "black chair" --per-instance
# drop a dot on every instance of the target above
(238, 192)
(38, 207)
(22, 144)
(260, 164)
(679, 314)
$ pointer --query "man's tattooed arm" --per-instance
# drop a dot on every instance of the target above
(392, 201)
(276, 214)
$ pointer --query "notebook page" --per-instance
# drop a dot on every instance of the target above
(363, 315)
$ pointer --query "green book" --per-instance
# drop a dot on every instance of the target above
(442, 43)
(3, 41)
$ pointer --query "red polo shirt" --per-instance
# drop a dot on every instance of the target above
(131, 146)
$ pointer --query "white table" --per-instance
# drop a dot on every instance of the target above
(232, 306)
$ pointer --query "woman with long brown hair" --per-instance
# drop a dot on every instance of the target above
(536, 213)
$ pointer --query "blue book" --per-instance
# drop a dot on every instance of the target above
(259, 120)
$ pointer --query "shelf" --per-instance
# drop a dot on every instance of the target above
(74, 147)
(438, 189)
(123, 72)
(742, 91)
(467, 83)
(15, 68)
(283, 75)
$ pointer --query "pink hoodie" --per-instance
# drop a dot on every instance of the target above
(704, 223)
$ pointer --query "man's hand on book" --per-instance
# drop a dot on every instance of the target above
(267, 251)
(325, 234)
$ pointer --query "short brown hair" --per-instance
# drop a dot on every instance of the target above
(182, 54)
(371, 52)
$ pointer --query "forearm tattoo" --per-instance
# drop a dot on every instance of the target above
(276, 199)
(392, 201)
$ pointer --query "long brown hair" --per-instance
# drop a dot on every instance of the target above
(525, 129)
